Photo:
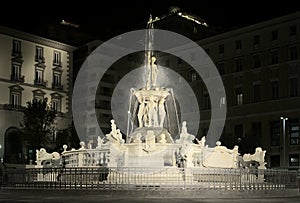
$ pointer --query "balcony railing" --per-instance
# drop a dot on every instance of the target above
(57, 86)
(40, 59)
(17, 54)
(17, 78)
(40, 82)
(57, 63)
(13, 107)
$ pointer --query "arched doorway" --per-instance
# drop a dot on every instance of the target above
(13, 149)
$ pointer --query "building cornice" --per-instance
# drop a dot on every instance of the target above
(36, 39)
(251, 28)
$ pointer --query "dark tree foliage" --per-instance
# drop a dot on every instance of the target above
(67, 136)
(38, 123)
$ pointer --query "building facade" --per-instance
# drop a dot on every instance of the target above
(31, 67)
(260, 68)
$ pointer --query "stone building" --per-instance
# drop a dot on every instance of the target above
(31, 67)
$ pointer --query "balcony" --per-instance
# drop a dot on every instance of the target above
(40, 82)
(57, 63)
(39, 59)
(17, 78)
(13, 107)
(16, 54)
(57, 86)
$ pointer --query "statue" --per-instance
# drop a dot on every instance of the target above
(99, 142)
(152, 118)
(162, 139)
(42, 157)
(141, 113)
(162, 112)
(152, 75)
(113, 127)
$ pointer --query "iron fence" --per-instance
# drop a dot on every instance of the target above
(149, 178)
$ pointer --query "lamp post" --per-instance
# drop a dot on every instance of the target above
(1, 159)
(284, 119)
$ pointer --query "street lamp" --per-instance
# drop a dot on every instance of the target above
(1, 159)
(284, 119)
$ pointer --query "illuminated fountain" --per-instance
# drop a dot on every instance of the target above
(151, 142)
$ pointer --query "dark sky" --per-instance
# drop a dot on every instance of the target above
(125, 15)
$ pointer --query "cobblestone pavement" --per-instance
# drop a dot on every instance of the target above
(53, 196)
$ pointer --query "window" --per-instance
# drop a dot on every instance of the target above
(275, 133)
(179, 61)
(195, 30)
(56, 58)
(294, 131)
(256, 93)
(56, 81)
(193, 76)
(238, 65)
(16, 73)
(15, 99)
(293, 87)
(239, 96)
(38, 95)
(206, 101)
(221, 68)
(274, 90)
(15, 96)
(56, 101)
(274, 35)
(274, 161)
(222, 101)
(256, 61)
(274, 57)
(39, 77)
(56, 105)
(238, 44)
(39, 54)
(294, 160)
(256, 40)
(293, 53)
(56, 78)
(16, 51)
(293, 30)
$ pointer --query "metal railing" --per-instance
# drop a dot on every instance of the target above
(103, 178)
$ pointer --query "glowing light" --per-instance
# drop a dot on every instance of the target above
(63, 22)
(189, 17)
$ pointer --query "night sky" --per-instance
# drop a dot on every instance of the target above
(122, 16)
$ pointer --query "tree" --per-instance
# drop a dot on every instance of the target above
(67, 136)
(38, 124)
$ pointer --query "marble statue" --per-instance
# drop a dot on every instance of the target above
(42, 155)
(141, 113)
(258, 156)
(99, 142)
(161, 112)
